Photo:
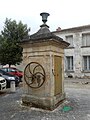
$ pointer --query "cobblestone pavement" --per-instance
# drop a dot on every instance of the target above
(77, 99)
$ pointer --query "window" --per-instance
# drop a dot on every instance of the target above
(11, 70)
(69, 63)
(86, 63)
(5, 69)
(86, 39)
(69, 39)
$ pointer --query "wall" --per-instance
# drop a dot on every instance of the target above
(77, 51)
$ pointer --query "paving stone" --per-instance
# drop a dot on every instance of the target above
(77, 97)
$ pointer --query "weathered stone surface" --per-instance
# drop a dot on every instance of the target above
(48, 103)
(46, 49)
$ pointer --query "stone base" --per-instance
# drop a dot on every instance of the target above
(48, 103)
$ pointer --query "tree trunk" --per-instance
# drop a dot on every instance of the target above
(9, 65)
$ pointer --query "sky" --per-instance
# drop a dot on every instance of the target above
(63, 13)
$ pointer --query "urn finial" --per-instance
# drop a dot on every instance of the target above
(44, 16)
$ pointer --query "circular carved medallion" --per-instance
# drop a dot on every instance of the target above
(34, 75)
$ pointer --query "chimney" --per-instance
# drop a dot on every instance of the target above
(58, 29)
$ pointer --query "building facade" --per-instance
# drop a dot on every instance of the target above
(77, 55)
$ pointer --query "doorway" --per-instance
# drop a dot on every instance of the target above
(58, 74)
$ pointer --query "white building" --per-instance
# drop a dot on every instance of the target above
(77, 55)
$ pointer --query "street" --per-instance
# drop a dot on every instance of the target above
(75, 107)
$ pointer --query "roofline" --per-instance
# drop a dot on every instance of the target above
(73, 28)
(63, 43)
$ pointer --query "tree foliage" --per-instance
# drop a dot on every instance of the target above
(12, 33)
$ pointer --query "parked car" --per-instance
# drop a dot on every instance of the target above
(2, 83)
(9, 78)
(13, 71)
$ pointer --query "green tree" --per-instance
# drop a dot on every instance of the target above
(10, 51)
